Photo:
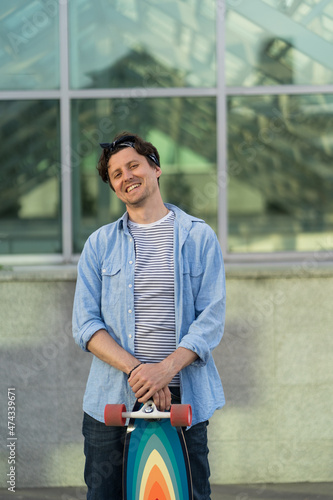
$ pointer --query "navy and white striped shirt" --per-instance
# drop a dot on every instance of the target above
(154, 305)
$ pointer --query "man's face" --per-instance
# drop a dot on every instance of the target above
(132, 178)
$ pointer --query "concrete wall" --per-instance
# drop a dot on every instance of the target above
(275, 362)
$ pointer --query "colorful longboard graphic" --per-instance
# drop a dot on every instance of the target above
(156, 465)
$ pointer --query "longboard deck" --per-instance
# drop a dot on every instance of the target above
(156, 464)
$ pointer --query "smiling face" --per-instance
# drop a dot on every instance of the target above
(133, 179)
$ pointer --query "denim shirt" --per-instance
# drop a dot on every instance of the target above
(104, 299)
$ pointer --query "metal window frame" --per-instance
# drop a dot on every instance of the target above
(220, 92)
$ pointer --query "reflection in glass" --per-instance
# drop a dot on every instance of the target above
(182, 129)
(272, 42)
(29, 58)
(29, 177)
(280, 173)
(141, 43)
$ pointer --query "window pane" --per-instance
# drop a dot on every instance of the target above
(30, 40)
(184, 132)
(30, 177)
(141, 43)
(280, 173)
(270, 42)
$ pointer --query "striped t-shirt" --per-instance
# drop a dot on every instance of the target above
(154, 305)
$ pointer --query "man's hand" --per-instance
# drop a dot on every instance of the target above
(150, 381)
(162, 399)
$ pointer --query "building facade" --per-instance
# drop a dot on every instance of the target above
(237, 96)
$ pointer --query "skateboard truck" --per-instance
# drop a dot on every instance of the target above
(180, 415)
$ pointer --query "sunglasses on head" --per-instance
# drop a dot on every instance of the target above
(125, 141)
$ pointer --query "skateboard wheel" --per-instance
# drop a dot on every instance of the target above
(181, 415)
(113, 415)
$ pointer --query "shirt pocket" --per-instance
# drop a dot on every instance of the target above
(192, 276)
(111, 285)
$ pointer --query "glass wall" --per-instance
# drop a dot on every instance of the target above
(30, 177)
(280, 144)
(245, 140)
(278, 42)
(29, 58)
(146, 43)
(280, 195)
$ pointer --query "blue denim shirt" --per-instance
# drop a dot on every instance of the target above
(104, 299)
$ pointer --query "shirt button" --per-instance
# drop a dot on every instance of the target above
(130, 262)
(131, 239)
(130, 336)
(130, 310)
(130, 285)
(103, 270)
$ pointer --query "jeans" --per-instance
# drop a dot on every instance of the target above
(103, 448)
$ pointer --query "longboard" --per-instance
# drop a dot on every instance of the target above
(156, 464)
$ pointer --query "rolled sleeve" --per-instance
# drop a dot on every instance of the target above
(82, 337)
(198, 345)
(205, 333)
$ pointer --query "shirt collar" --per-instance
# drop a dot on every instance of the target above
(183, 218)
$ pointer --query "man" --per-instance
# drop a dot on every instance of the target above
(150, 306)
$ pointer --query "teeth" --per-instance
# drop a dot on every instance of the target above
(132, 187)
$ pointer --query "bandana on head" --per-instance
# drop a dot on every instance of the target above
(126, 141)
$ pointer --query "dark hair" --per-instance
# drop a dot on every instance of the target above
(142, 147)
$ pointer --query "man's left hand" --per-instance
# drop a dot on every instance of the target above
(150, 381)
